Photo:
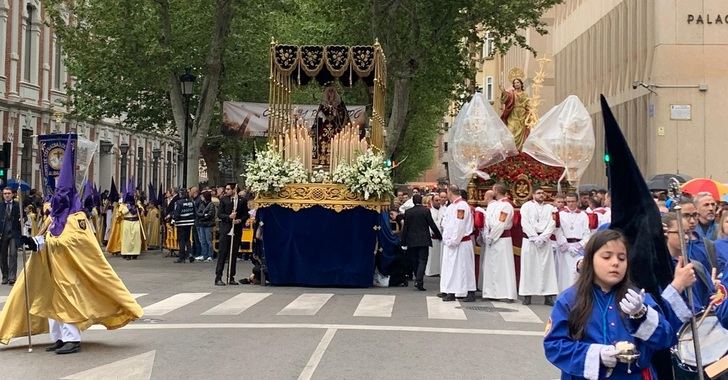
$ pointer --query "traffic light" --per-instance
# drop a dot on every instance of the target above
(606, 158)
(5, 163)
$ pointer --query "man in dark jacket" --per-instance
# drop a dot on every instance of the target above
(183, 217)
(205, 220)
(416, 236)
(10, 230)
(230, 218)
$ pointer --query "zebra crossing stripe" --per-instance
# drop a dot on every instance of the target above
(138, 295)
(172, 303)
(237, 304)
(306, 304)
(522, 313)
(437, 309)
(375, 306)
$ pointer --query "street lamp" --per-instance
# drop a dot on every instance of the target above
(187, 81)
(156, 153)
(123, 149)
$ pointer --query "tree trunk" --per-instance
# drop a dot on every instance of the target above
(398, 117)
(208, 90)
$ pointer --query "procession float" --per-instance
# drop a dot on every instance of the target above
(320, 186)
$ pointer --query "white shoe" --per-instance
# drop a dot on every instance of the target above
(209, 259)
(199, 258)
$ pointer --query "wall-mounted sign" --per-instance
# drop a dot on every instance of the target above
(680, 112)
(708, 19)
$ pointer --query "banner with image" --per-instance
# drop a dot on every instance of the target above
(251, 119)
(52, 148)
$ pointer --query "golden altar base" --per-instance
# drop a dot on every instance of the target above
(327, 195)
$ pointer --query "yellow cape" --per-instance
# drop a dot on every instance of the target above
(114, 244)
(69, 280)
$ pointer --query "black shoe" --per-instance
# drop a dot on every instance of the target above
(69, 348)
(134, 257)
(192, 259)
(244, 281)
(549, 301)
(441, 295)
(420, 287)
(449, 297)
(527, 300)
(11, 282)
(219, 283)
(5, 282)
(232, 282)
(404, 284)
(470, 297)
(178, 261)
(54, 346)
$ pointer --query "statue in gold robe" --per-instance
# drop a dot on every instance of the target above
(330, 119)
(516, 108)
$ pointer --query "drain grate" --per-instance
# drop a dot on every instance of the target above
(487, 309)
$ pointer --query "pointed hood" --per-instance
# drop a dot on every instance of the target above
(152, 193)
(635, 213)
(160, 195)
(113, 193)
(124, 190)
(65, 200)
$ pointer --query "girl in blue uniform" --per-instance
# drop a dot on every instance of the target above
(599, 311)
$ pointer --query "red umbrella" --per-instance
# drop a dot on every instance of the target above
(699, 185)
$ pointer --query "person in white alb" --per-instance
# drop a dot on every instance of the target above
(572, 233)
(498, 269)
(434, 260)
(538, 270)
(458, 265)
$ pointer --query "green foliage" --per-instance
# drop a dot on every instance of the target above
(115, 50)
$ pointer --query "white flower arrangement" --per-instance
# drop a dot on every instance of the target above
(268, 172)
(367, 175)
(321, 176)
(296, 171)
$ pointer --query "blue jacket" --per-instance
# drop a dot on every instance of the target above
(721, 310)
(581, 359)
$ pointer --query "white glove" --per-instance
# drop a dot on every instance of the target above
(488, 240)
(563, 248)
(608, 354)
(404, 247)
(574, 249)
(541, 240)
(533, 239)
(633, 302)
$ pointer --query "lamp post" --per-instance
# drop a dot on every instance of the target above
(123, 149)
(187, 81)
(156, 152)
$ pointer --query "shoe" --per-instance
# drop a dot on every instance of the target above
(54, 346)
(134, 257)
(69, 348)
(208, 260)
(449, 297)
(179, 261)
(549, 301)
(199, 258)
(232, 282)
(219, 283)
(527, 300)
(420, 287)
(470, 297)
(244, 281)
(192, 259)
(441, 295)
(5, 282)
(11, 282)
(404, 284)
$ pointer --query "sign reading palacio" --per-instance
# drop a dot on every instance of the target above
(707, 19)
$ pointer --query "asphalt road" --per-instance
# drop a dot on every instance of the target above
(195, 330)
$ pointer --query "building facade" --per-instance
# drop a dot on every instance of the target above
(661, 65)
(33, 79)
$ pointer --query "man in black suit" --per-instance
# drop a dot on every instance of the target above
(230, 218)
(10, 230)
(416, 236)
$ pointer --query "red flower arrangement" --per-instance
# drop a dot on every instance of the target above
(507, 171)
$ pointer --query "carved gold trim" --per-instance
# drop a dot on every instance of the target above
(327, 195)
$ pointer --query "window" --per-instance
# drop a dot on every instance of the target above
(28, 53)
(57, 69)
(26, 163)
(169, 169)
(488, 46)
(489, 89)
(444, 146)
(140, 168)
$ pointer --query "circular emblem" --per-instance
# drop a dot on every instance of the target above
(55, 157)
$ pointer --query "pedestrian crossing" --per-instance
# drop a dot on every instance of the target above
(312, 304)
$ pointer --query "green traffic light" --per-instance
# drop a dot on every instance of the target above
(2, 172)
(606, 157)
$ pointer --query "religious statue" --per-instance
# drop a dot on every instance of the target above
(516, 108)
(330, 119)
